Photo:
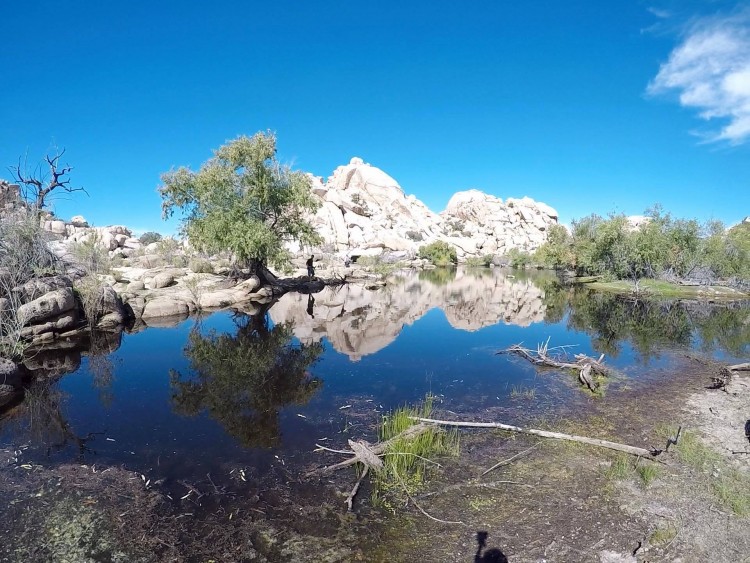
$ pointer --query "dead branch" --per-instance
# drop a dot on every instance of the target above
(422, 510)
(642, 452)
(41, 185)
(507, 461)
(355, 489)
(365, 451)
(584, 365)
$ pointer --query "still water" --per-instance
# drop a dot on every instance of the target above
(230, 391)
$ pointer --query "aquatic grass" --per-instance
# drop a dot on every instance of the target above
(408, 462)
(521, 392)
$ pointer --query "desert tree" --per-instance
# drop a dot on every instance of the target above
(39, 184)
(243, 201)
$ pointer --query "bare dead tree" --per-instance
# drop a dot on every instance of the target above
(48, 177)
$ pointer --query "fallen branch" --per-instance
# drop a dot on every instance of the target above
(350, 498)
(366, 451)
(422, 510)
(584, 365)
(507, 461)
(642, 452)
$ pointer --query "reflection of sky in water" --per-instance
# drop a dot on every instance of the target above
(427, 354)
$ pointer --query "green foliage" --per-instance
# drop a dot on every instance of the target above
(661, 246)
(518, 258)
(479, 261)
(244, 380)
(439, 253)
(407, 461)
(557, 251)
(92, 255)
(149, 237)
(90, 290)
(377, 265)
(242, 200)
(200, 265)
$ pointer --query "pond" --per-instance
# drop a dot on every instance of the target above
(229, 392)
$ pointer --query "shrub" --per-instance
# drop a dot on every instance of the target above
(378, 265)
(416, 236)
(23, 255)
(91, 255)
(518, 258)
(439, 253)
(149, 237)
(479, 261)
(90, 290)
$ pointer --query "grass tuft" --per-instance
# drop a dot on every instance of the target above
(408, 462)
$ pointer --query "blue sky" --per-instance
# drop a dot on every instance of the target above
(589, 106)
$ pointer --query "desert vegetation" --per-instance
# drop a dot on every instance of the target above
(662, 247)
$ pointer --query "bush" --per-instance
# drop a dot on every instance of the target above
(91, 255)
(479, 261)
(90, 290)
(23, 255)
(439, 253)
(518, 258)
(149, 237)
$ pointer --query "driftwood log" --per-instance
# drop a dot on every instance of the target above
(586, 366)
(632, 450)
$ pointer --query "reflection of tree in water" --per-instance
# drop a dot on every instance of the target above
(438, 276)
(648, 325)
(727, 328)
(243, 381)
(613, 319)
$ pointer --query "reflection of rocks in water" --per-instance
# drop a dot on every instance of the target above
(358, 322)
(64, 355)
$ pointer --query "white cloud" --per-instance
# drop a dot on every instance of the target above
(710, 71)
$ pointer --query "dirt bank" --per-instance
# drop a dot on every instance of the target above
(567, 502)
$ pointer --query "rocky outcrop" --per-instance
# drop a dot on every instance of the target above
(359, 322)
(364, 211)
(480, 224)
(118, 240)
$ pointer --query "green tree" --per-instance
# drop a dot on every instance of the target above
(243, 380)
(243, 201)
(557, 251)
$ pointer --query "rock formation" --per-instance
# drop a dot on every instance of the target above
(365, 212)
